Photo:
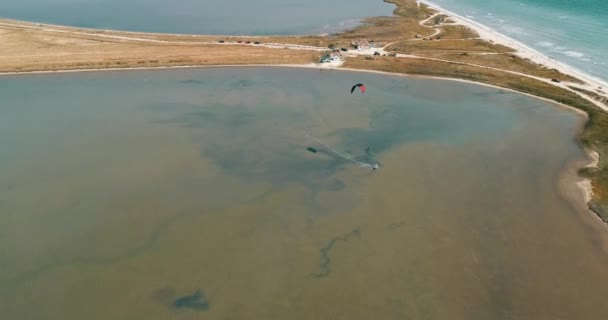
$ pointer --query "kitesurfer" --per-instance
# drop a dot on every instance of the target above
(361, 87)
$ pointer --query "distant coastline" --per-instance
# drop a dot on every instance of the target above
(523, 50)
(419, 40)
(565, 31)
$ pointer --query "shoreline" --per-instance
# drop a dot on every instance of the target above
(522, 50)
(485, 33)
(592, 161)
(592, 157)
(576, 190)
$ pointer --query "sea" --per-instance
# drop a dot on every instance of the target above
(572, 32)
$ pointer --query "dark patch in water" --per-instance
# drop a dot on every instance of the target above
(244, 83)
(172, 107)
(253, 150)
(192, 81)
(270, 159)
(325, 266)
(241, 119)
(264, 144)
(204, 114)
(196, 301)
(391, 126)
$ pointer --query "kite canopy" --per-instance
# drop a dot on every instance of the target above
(361, 87)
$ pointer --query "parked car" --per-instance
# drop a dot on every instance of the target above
(343, 49)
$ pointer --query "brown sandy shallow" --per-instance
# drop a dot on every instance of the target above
(430, 251)
(27, 47)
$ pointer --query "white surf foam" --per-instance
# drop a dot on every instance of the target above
(574, 54)
(545, 44)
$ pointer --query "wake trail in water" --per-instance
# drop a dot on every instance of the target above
(343, 155)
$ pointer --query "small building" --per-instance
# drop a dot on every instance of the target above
(363, 45)
(331, 57)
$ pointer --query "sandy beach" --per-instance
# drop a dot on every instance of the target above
(523, 50)
(585, 184)
(526, 52)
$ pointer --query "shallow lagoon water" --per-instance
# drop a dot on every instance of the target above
(190, 194)
(200, 16)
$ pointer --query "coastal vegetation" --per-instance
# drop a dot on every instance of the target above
(419, 40)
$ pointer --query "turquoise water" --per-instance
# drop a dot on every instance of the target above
(190, 194)
(200, 16)
(573, 32)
